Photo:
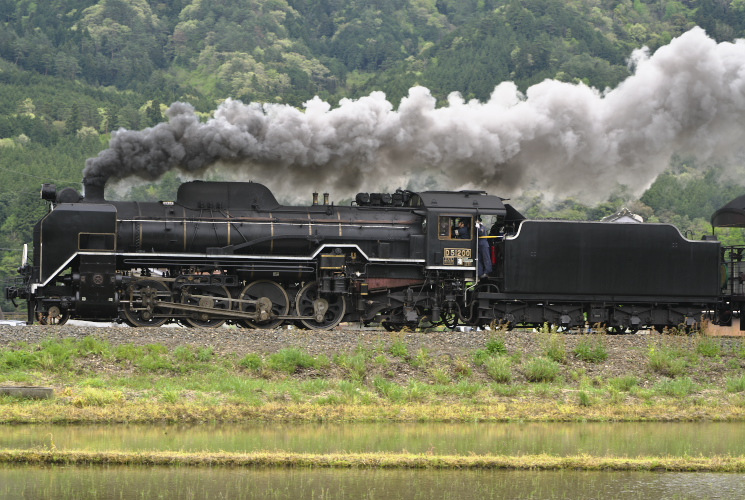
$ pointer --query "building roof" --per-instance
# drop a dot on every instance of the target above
(624, 215)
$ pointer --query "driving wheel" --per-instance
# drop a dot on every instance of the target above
(142, 308)
(213, 297)
(326, 311)
(268, 300)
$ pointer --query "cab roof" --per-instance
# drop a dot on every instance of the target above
(462, 200)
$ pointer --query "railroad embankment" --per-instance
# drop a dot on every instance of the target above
(229, 374)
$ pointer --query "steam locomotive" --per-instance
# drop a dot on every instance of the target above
(229, 252)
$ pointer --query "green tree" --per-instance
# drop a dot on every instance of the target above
(73, 122)
(152, 113)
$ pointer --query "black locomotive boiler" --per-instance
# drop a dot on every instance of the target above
(229, 252)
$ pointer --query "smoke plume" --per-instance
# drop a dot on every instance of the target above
(568, 139)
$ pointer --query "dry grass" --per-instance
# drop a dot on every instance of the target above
(376, 460)
(535, 411)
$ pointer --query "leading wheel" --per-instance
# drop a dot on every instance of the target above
(264, 289)
(54, 316)
(327, 311)
(213, 297)
(141, 310)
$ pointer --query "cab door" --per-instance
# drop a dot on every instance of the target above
(451, 242)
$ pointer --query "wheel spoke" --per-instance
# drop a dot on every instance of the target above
(215, 297)
(330, 307)
(265, 289)
(142, 311)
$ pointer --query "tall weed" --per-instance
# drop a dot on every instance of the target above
(624, 383)
(554, 346)
(496, 345)
(499, 369)
(591, 349)
(355, 365)
(399, 349)
(541, 369)
(666, 361)
(708, 347)
(736, 384)
(389, 390)
(252, 361)
(677, 388)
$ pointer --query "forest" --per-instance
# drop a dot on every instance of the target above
(73, 71)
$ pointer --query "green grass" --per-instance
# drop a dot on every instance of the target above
(499, 369)
(736, 384)
(252, 361)
(585, 399)
(150, 377)
(708, 347)
(399, 349)
(98, 397)
(440, 375)
(591, 348)
(293, 359)
(422, 359)
(624, 383)
(495, 345)
(667, 361)
(678, 388)
(355, 365)
(541, 369)
(554, 346)
(389, 390)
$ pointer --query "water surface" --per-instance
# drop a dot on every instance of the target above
(180, 483)
(600, 439)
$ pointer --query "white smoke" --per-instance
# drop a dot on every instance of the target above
(567, 139)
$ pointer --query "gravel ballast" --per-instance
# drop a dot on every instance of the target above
(627, 354)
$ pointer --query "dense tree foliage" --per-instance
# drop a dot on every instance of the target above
(291, 50)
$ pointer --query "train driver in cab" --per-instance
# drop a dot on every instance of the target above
(462, 231)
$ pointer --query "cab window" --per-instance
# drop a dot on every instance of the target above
(450, 227)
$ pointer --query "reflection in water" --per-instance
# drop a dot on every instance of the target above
(196, 483)
(599, 439)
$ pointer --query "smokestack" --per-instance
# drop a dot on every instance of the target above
(93, 188)
(315, 199)
(325, 198)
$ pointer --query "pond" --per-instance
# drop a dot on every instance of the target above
(598, 439)
(180, 483)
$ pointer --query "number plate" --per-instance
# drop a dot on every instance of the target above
(457, 257)
(461, 253)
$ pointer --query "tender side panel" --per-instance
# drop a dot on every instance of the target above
(587, 258)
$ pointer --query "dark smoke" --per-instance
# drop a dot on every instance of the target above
(689, 98)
